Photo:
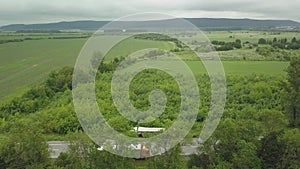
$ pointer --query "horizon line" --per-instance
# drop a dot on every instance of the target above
(111, 20)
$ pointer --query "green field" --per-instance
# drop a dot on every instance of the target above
(23, 64)
(132, 45)
(244, 67)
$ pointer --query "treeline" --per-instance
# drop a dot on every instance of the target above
(219, 45)
(225, 46)
(160, 37)
(11, 40)
(39, 31)
(3, 41)
(282, 43)
(18, 40)
(271, 53)
(70, 37)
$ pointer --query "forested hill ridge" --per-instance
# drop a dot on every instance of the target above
(204, 23)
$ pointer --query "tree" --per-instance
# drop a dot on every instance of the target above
(246, 157)
(294, 40)
(84, 154)
(272, 149)
(200, 161)
(25, 148)
(238, 44)
(272, 120)
(291, 87)
(291, 156)
(262, 41)
(61, 80)
(119, 123)
(170, 160)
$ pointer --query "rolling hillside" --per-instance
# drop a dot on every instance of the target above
(204, 23)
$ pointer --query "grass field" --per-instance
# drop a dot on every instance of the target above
(244, 67)
(23, 64)
(132, 45)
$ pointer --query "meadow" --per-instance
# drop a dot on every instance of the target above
(24, 64)
(242, 68)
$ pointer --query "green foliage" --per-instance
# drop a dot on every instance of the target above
(25, 148)
(200, 161)
(159, 37)
(225, 46)
(291, 156)
(169, 160)
(271, 150)
(281, 43)
(48, 105)
(60, 81)
(291, 87)
(140, 89)
(246, 157)
(272, 121)
(262, 41)
(274, 53)
(39, 96)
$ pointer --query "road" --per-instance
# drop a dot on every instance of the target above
(57, 147)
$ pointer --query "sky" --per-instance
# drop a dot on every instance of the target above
(45, 11)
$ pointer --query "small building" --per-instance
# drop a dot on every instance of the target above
(147, 129)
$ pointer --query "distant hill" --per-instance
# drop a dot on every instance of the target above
(74, 25)
(204, 23)
(241, 23)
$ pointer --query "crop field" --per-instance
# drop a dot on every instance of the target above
(244, 67)
(26, 63)
(23, 64)
(132, 45)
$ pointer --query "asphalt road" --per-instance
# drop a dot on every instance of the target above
(57, 147)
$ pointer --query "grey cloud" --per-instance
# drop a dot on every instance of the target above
(31, 11)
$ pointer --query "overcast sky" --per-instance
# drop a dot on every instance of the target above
(43, 11)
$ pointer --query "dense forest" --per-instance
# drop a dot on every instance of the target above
(259, 128)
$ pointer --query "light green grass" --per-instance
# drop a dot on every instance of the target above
(131, 45)
(240, 68)
(231, 68)
(24, 64)
(244, 67)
